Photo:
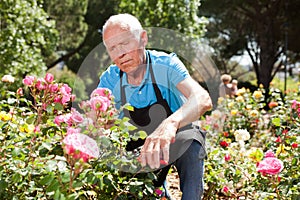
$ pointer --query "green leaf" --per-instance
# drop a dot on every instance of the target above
(51, 165)
(47, 180)
(53, 186)
(62, 166)
(136, 183)
(16, 151)
(47, 145)
(58, 106)
(16, 178)
(143, 134)
(3, 185)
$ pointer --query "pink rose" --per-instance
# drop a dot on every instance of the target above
(270, 164)
(57, 99)
(49, 78)
(28, 80)
(76, 116)
(104, 92)
(53, 87)
(269, 154)
(59, 119)
(63, 119)
(69, 149)
(40, 84)
(295, 104)
(71, 130)
(65, 89)
(81, 146)
(100, 103)
(65, 99)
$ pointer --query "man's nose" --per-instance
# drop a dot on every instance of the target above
(121, 51)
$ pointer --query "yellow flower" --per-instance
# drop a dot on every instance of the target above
(256, 154)
(280, 149)
(5, 116)
(233, 112)
(241, 91)
(21, 128)
(253, 113)
(220, 100)
(240, 99)
(230, 105)
(257, 94)
(29, 128)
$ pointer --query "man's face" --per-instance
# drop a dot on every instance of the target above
(124, 49)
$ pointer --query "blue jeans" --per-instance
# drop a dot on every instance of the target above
(190, 168)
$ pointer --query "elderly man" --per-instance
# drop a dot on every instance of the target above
(166, 101)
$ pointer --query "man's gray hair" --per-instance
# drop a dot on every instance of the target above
(125, 21)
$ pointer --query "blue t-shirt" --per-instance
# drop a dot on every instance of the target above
(168, 72)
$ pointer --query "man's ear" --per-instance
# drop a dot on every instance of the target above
(144, 38)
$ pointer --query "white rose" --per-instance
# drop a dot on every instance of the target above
(8, 79)
(241, 135)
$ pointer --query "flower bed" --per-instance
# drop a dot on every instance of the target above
(50, 150)
(253, 152)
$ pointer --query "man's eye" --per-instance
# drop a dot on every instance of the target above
(125, 43)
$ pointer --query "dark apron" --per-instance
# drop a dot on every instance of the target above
(148, 119)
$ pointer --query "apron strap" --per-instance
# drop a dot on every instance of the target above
(155, 86)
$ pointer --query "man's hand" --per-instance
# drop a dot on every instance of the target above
(155, 150)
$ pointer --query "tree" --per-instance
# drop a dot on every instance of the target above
(69, 16)
(88, 61)
(257, 27)
(172, 14)
(27, 37)
(79, 24)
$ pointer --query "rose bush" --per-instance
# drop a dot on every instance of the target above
(244, 131)
(50, 150)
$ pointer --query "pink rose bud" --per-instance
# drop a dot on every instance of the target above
(227, 157)
(28, 80)
(158, 191)
(104, 92)
(225, 189)
(20, 92)
(40, 84)
(49, 78)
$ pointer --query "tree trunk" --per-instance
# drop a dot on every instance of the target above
(268, 48)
